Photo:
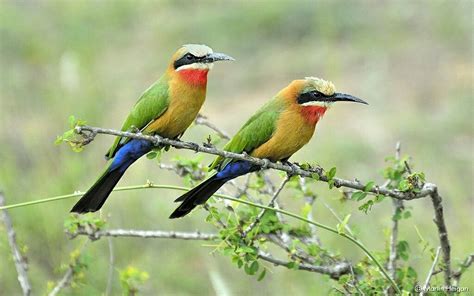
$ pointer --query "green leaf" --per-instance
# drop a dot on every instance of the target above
(331, 183)
(403, 249)
(406, 214)
(315, 176)
(262, 274)
(369, 186)
(331, 173)
(341, 226)
(358, 195)
(292, 265)
(151, 155)
(404, 185)
(254, 267)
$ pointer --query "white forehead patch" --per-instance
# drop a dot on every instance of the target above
(198, 50)
(321, 85)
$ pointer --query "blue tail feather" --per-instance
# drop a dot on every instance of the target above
(201, 193)
(95, 197)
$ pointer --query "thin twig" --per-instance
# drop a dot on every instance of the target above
(202, 120)
(464, 266)
(110, 276)
(20, 263)
(346, 225)
(397, 207)
(270, 204)
(68, 275)
(430, 273)
(309, 200)
(427, 189)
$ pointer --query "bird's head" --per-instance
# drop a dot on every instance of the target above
(313, 96)
(192, 62)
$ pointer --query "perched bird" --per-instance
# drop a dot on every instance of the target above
(279, 129)
(167, 109)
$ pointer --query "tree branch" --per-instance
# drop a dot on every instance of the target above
(443, 235)
(20, 263)
(89, 133)
(397, 207)
(334, 271)
(430, 273)
(95, 235)
(464, 266)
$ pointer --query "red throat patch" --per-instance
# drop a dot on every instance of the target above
(313, 113)
(194, 76)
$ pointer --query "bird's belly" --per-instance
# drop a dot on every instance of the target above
(175, 120)
(290, 136)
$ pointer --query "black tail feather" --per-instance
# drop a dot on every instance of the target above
(197, 196)
(96, 196)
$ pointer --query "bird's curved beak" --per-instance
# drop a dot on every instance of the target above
(340, 97)
(215, 57)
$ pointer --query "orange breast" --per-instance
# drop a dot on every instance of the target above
(293, 131)
(185, 102)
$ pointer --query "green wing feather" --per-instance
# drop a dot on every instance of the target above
(151, 105)
(255, 132)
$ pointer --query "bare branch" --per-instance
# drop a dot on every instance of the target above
(464, 266)
(334, 271)
(202, 120)
(110, 276)
(20, 263)
(146, 234)
(430, 273)
(397, 207)
(427, 189)
(443, 235)
(68, 275)
(63, 283)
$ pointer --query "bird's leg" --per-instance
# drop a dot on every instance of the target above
(294, 166)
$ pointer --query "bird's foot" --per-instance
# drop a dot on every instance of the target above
(294, 167)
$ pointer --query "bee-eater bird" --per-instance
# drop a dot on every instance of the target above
(166, 108)
(279, 129)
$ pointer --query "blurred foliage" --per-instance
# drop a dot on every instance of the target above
(411, 60)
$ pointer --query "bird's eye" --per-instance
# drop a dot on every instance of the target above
(189, 56)
(316, 94)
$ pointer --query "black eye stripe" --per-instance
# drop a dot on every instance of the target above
(312, 96)
(187, 59)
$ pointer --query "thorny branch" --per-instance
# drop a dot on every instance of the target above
(90, 132)
(428, 189)
(20, 263)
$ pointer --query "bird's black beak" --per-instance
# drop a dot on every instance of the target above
(339, 97)
(215, 57)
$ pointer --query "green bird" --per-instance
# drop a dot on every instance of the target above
(275, 132)
(167, 108)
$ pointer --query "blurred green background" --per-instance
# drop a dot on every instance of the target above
(412, 60)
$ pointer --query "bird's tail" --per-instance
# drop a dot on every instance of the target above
(201, 193)
(197, 196)
(96, 196)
